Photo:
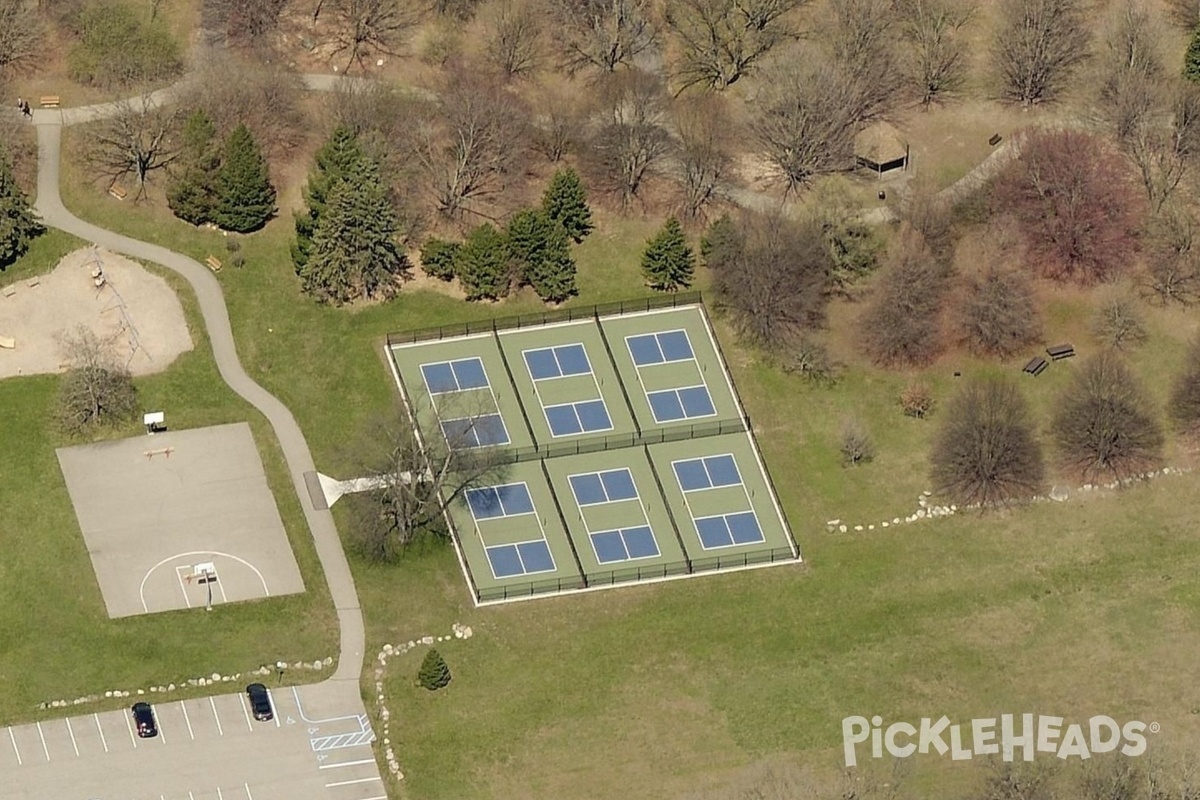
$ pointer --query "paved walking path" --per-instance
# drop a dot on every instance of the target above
(216, 319)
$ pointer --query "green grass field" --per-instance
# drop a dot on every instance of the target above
(664, 690)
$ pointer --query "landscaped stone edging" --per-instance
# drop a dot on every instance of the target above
(457, 631)
(209, 680)
(1059, 494)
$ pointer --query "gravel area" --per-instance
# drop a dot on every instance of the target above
(135, 310)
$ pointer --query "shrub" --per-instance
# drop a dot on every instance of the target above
(857, 446)
(117, 48)
(916, 400)
(985, 452)
(1104, 426)
(434, 673)
(437, 258)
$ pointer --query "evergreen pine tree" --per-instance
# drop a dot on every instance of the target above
(540, 255)
(434, 673)
(565, 202)
(720, 242)
(668, 262)
(1191, 59)
(18, 224)
(354, 251)
(437, 258)
(245, 196)
(336, 159)
(483, 264)
(192, 195)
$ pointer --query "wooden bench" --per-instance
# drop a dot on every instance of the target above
(32, 282)
(8, 291)
(213, 263)
(1036, 366)
(50, 101)
(118, 192)
(1060, 351)
(8, 343)
(995, 140)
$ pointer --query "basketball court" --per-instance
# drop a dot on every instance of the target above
(179, 519)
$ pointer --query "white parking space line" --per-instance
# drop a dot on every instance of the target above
(379, 797)
(347, 764)
(219, 795)
(246, 711)
(74, 743)
(13, 739)
(274, 707)
(129, 725)
(103, 741)
(248, 795)
(187, 720)
(357, 780)
(162, 734)
(191, 796)
(217, 717)
(42, 736)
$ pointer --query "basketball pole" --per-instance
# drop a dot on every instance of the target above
(208, 584)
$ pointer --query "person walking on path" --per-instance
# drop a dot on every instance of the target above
(24, 106)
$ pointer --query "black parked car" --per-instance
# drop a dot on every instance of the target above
(143, 720)
(260, 701)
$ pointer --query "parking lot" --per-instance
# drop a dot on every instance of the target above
(206, 748)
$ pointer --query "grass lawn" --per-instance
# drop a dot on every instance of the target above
(59, 642)
(656, 691)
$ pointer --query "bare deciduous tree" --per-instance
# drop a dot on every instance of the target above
(703, 126)
(137, 140)
(1104, 427)
(365, 28)
(936, 58)
(1185, 394)
(1164, 144)
(247, 22)
(630, 136)
(986, 452)
(1118, 323)
(266, 98)
(604, 33)
(771, 274)
(722, 40)
(1185, 12)
(20, 34)
(469, 140)
(998, 316)
(513, 36)
(97, 389)
(1173, 259)
(862, 41)
(558, 123)
(901, 326)
(1075, 202)
(417, 480)
(1038, 45)
(802, 120)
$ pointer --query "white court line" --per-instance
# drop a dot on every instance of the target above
(188, 720)
(246, 711)
(129, 725)
(213, 703)
(42, 736)
(347, 764)
(242, 561)
(248, 795)
(13, 739)
(103, 741)
(356, 780)
(74, 744)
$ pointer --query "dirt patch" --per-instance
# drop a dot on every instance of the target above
(135, 310)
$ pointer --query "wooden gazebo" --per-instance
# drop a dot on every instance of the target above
(880, 148)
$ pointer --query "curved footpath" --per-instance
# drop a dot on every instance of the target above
(216, 319)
